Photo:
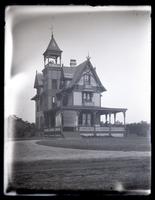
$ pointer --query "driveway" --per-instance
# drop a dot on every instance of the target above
(28, 150)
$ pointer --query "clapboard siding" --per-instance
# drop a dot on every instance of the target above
(96, 99)
(69, 119)
(77, 98)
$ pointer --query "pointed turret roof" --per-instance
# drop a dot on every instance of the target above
(53, 48)
(38, 80)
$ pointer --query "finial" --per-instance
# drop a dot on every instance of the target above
(88, 57)
(52, 30)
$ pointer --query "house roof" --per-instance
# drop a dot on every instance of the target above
(38, 80)
(76, 73)
(53, 48)
(68, 72)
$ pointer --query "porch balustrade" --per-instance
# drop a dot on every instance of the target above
(101, 128)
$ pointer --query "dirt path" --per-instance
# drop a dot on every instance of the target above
(30, 151)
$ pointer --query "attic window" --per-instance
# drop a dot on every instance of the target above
(87, 79)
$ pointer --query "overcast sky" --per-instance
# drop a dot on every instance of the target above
(118, 42)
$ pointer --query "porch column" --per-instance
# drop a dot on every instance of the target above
(47, 120)
(94, 118)
(61, 123)
(94, 122)
(77, 120)
(114, 118)
(106, 118)
(60, 60)
(109, 124)
(124, 115)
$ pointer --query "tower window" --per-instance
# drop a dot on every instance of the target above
(53, 99)
(54, 84)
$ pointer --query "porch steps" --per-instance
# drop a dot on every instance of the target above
(72, 134)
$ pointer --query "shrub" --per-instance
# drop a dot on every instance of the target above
(141, 129)
(18, 128)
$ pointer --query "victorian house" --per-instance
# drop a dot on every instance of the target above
(68, 99)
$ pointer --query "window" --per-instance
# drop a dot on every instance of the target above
(54, 84)
(86, 119)
(87, 79)
(65, 100)
(87, 96)
(53, 99)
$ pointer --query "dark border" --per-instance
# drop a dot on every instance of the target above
(59, 194)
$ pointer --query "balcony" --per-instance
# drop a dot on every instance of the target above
(88, 103)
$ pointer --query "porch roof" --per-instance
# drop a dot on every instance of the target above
(100, 110)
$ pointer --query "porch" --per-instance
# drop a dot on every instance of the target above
(86, 121)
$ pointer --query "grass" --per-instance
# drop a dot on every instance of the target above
(106, 143)
(103, 174)
(91, 174)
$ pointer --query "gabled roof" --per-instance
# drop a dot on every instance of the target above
(52, 48)
(38, 80)
(76, 73)
(79, 70)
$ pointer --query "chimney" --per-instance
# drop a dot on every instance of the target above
(72, 62)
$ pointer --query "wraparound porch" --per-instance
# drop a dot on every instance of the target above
(86, 121)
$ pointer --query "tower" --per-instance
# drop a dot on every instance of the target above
(51, 80)
(52, 53)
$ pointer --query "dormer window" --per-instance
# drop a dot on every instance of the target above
(87, 79)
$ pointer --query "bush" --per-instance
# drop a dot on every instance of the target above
(18, 128)
(141, 129)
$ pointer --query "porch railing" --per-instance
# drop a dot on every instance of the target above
(54, 131)
(101, 129)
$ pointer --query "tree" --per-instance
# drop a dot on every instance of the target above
(18, 128)
(141, 129)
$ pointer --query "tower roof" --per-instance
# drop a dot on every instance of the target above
(53, 48)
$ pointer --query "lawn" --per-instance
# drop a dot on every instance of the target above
(97, 173)
(102, 143)
(105, 174)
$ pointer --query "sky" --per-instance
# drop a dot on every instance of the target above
(118, 40)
